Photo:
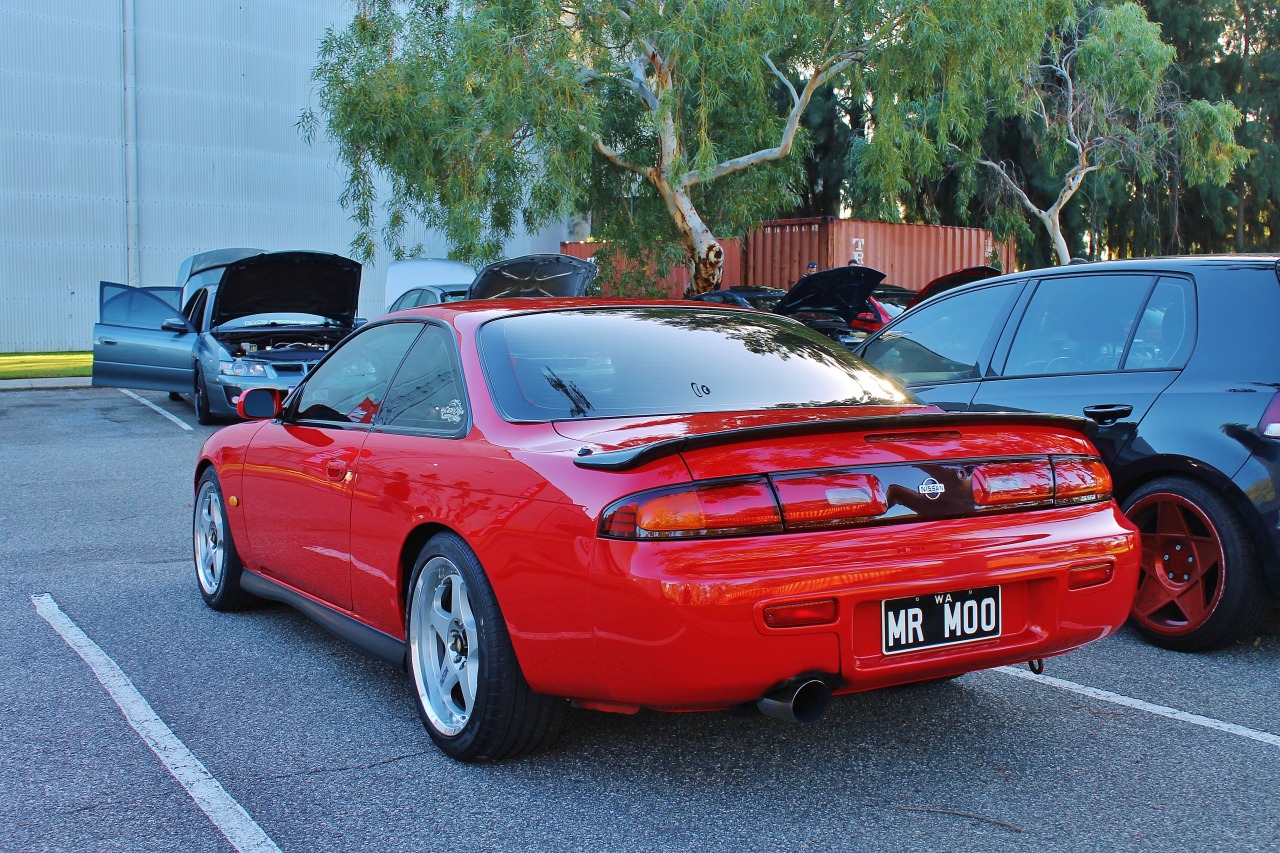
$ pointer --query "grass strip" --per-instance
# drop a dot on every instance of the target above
(45, 365)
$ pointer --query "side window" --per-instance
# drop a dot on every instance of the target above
(194, 311)
(1077, 324)
(405, 300)
(350, 386)
(427, 390)
(942, 341)
(1166, 329)
(425, 296)
(121, 305)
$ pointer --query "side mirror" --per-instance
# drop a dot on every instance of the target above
(259, 404)
(175, 324)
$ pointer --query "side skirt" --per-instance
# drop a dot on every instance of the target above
(369, 640)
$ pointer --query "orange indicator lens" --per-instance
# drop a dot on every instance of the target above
(1081, 479)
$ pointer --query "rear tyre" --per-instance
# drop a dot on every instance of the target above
(471, 694)
(1200, 586)
(175, 396)
(203, 415)
(217, 564)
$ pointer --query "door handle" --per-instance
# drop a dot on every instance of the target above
(336, 469)
(1108, 414)
(107, 342)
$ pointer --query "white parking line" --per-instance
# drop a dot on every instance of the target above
(152, 405)
(1138, 704)
(227, 815)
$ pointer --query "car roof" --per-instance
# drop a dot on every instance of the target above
(1172, 263)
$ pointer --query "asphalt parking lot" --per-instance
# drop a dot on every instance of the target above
(1122, 747)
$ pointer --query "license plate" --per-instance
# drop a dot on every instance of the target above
(939, 619)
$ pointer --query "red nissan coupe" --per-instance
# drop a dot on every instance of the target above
(536, 503)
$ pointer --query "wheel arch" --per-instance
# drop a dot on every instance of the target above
(1132, 477)
(409, 551)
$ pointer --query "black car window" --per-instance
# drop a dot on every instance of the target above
(1166, 329)
(427, 390)
(941, 341)
(1077, 324)
(350, 385)
(624, 362)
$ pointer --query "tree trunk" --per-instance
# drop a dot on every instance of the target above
(704, 248)
(1054, 229)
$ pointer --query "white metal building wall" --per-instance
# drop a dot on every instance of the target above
(220, 162)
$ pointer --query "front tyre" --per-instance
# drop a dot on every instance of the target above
(204, 415)
(217, 564)
(472, 696)
(1200, 585)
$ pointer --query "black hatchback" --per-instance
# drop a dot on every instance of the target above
(1176, 360)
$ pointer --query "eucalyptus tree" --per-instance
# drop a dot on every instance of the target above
(1099, 99)
(657, 118)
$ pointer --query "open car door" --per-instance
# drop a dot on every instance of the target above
(141, 339)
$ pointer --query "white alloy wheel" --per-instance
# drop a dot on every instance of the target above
(444, 646)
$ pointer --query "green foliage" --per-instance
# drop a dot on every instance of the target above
(660, 120)
(1100, 103)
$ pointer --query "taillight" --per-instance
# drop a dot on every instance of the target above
(1012, 483)
(1270, 423)
(821, 500)
(1080, 479)
(736, 507)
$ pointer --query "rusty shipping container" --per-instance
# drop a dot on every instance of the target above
(676, 282)
(911, 256)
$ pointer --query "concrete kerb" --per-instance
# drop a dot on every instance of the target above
(44, 384)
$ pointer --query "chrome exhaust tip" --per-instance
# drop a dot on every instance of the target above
(801, 702)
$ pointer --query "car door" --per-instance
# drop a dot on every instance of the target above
(941, 350)
(141, 339)
(413, 449)
(300, 469)
(1102, 346)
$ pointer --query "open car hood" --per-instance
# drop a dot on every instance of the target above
(943, 283)
(289, 283)
(533, 275)
(842, 290)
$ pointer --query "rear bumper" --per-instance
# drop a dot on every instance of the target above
(680, 625)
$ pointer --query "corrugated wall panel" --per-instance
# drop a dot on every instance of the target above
(220, 87)
(910, 255)
(61, 174)
(674, 284)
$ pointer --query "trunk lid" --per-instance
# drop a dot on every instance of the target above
(534, 275)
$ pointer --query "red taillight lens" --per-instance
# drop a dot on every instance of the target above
(1080, 479)
(818, 500)
(1086, 576)
(797, 613)
(1006, 483)
(721, 509)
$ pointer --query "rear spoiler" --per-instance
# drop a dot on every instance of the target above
(634, 457)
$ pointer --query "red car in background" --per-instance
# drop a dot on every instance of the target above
(619, 505)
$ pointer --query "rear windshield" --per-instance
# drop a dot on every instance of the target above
(623, 362)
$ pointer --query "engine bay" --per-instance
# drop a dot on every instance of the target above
(282, 345)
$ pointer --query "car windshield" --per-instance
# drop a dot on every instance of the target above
(623, 362)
